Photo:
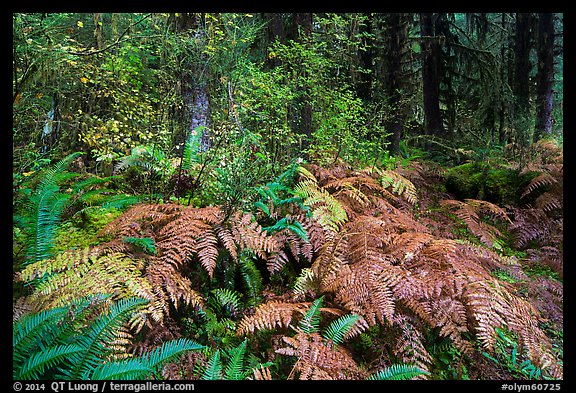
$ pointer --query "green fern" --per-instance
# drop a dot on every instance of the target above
(310, 323)
(102, 329)
(338, 329)
(192, 148)
(72, 343)
(213, 369)
(398, 372)
(290, 224)
(148, 158)
(35, 365)
(144, 244)
(43, 210)
(234, 369)
(323, 207)
(225, 301)
(129, 369)
(252, 279)
(148, 364)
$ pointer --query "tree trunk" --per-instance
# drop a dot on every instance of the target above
(545, 77)
(194, 91)
(301, 29)
(391, 48)
(431, 76)
(521, 82)
(97, 30)
(365, 57)
(274, 31)
(504, 56)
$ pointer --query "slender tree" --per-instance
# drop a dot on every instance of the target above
(391, 50)
(522, 68)
(433, 124)
(545, 76)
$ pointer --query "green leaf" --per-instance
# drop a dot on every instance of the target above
(235, 365)
(169, 351)
(213, 370)
(398, 372)
(339, 328)
(35, 365)
(146, 244)
(102, 330)
(310, 323)
(128, 369)
(262, 207)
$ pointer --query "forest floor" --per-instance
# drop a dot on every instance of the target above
(456, 271)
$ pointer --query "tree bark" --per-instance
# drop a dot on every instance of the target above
(433, 124)
(274, 31)
(301, 29)
(97, 30)
(521, 87)
(545, 76)
(194, 92)
(391, 47)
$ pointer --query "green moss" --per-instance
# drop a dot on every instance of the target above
(537, 269)
(82, 230)
(478, 180)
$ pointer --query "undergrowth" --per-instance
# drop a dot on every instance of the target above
(325, 272)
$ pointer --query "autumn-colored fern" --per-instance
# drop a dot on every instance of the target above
(393, 271)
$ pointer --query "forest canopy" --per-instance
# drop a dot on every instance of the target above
(287, 196)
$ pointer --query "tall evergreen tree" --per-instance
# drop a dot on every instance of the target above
(433, 124)
(545, 76)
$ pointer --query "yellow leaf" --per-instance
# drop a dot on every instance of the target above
(80, 24)
(83, 80)
(28, 173)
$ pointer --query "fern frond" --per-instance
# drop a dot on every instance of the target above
(192, 148)
(169, 351)
(409, 347)
(270, 316)
(36, 364)
(468, 212)
(316, 360)
(213, 369)
(400, 185)
(325, 208)
(102, 329)
(78, 273)
(128, 369)
(341, 328)
(548, 202)
(33, 325)
(262, 374)
(146, 244)
(305, 282)
(542, 180)
(252, 279)
(310, 323)
(398, 372)
(234, 368)
(228, 299)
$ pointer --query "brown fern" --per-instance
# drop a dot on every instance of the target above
(318, 361)
(386, 267)
(469, 212)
